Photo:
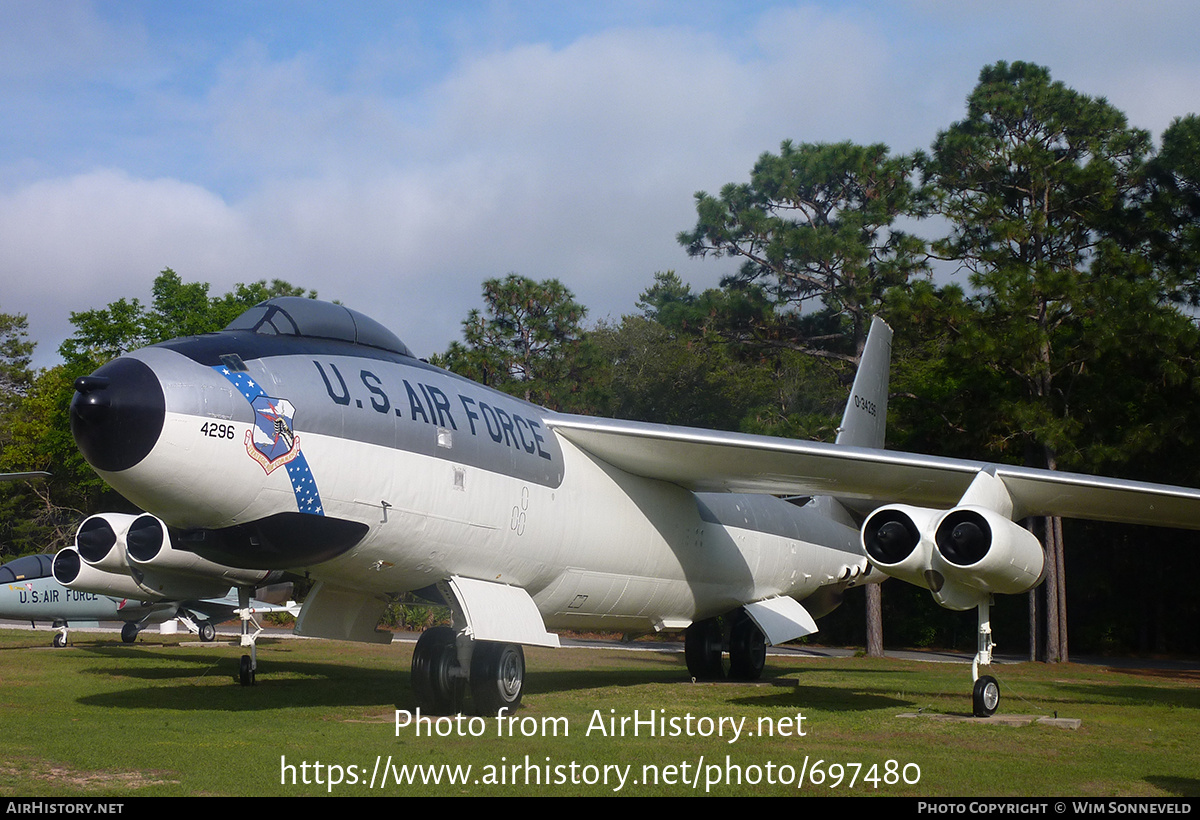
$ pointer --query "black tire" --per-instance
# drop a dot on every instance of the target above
(986, 696)
(207, 631)
(438, 689)
(747, 649)
(497, 677)
(702, 650)
(60, 640)
(129, 633)
(246, 671)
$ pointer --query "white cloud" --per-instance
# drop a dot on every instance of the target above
(574, 158)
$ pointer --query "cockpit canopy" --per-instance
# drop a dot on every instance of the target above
(297, 316)
(29, 568)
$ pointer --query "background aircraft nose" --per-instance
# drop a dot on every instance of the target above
(117, 414)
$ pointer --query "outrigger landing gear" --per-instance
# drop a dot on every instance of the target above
(249, 663)
(986, 694)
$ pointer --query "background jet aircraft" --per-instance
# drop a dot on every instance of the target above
(306, 436)
(29, 592)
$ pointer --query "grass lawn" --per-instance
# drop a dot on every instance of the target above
(163, 717)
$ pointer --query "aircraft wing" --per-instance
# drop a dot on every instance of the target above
(219, 610)
(714, 461)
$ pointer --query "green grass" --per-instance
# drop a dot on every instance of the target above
(164, 717)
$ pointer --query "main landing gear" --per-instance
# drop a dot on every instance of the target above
(705, 641)
(446, 664)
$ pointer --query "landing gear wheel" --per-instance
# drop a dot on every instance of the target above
(207, 631)
(246, 671)
(986, 696)
(497, 676)
(702, 650)
(129, 633)
(434, 661)
(747, 649)
(60, 640)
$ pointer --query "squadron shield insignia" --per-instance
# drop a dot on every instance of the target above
(271, 441)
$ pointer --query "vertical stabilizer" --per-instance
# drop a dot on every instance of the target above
(865, 420)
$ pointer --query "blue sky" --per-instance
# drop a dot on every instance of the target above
(394, 155)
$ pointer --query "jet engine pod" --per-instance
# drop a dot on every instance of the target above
(894, 538)
(986, 550)
(961, 556)
(97, 537)
(74, 573)
(150, 550)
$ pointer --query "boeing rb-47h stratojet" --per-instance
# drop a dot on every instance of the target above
(306, 436)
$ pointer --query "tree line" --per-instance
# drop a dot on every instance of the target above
(1048, 322)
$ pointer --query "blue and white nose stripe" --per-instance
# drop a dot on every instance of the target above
(273, 443)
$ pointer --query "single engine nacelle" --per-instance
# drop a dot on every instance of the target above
(962, 556)
(73, 572)
(896, 540)
(149, 550)
(986, 550)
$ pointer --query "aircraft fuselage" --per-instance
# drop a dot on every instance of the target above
(428, 475)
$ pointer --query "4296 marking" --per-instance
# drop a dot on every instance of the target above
(212, 429)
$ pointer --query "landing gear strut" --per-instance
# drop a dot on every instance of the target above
(986, 694)
(249, 663)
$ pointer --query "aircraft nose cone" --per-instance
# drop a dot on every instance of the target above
(117, 414)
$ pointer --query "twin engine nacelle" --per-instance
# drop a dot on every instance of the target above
(962, 555)
(131, 556)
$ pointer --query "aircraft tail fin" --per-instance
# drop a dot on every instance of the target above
(864, 421)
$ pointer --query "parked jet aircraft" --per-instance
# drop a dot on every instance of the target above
(29, 592)
(306, 436)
